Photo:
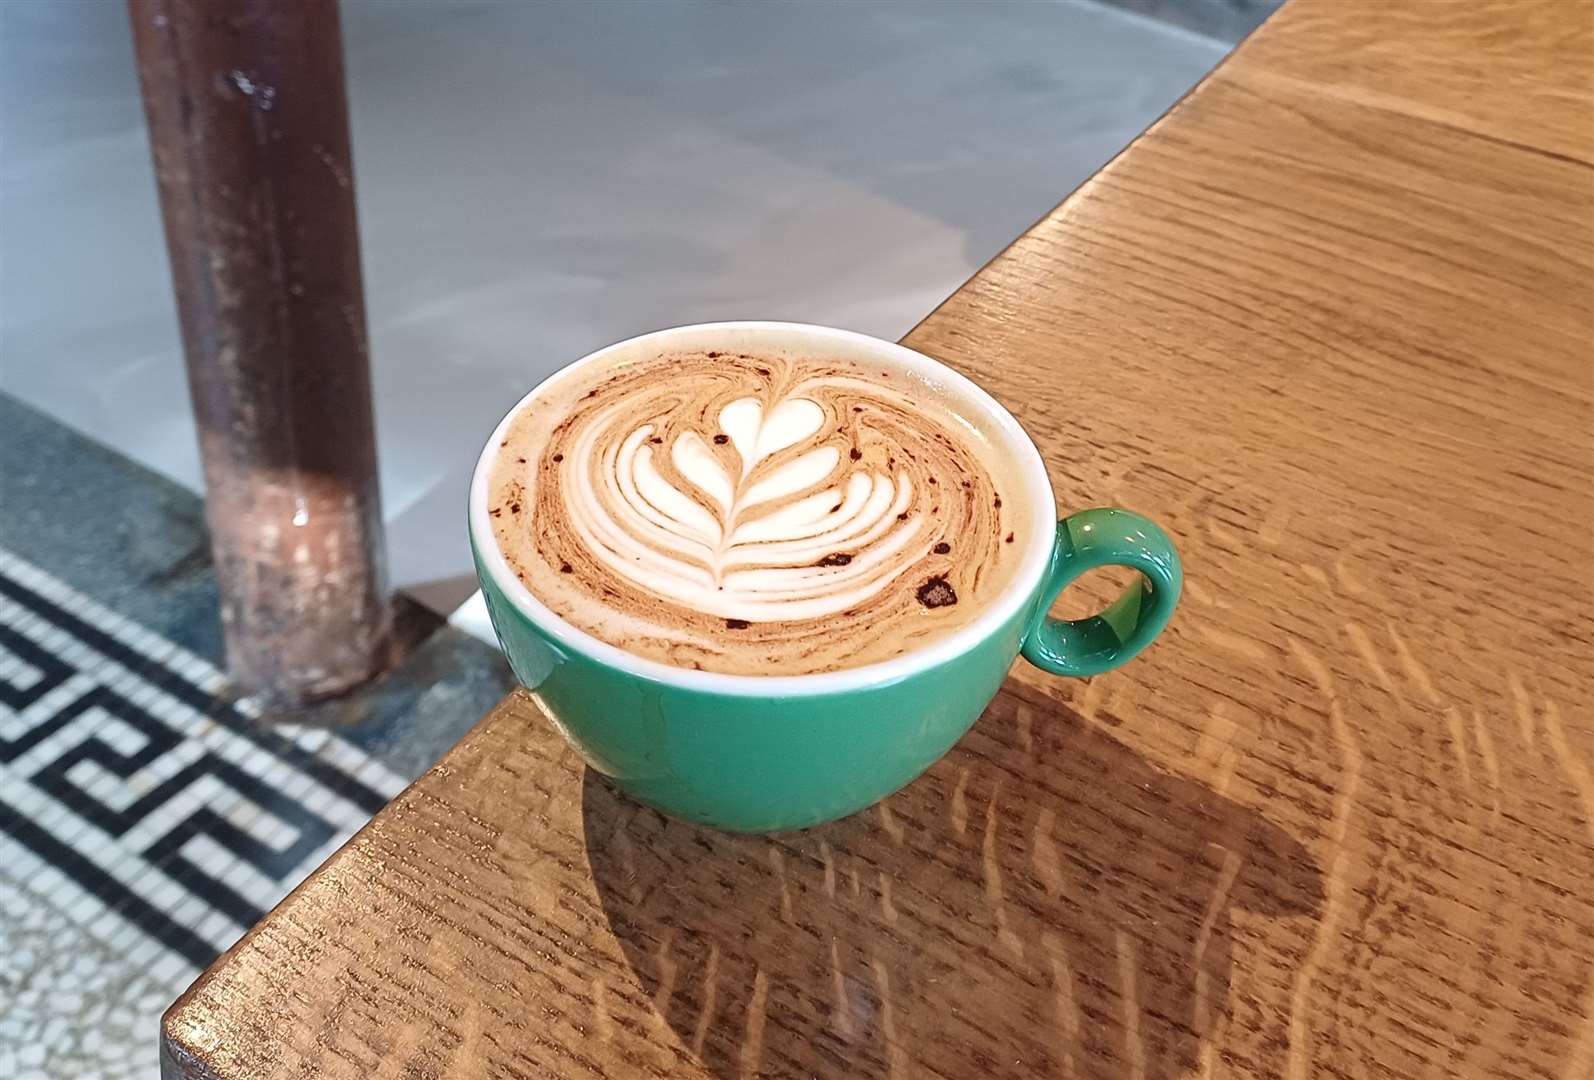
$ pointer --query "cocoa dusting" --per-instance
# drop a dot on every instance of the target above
(942, 548)
(840, 558)
(937, 592)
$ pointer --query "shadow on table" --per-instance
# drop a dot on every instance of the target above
(1043, 901)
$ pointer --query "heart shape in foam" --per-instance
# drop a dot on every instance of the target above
(756, 437)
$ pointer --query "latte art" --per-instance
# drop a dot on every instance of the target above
(778, 532)
(752, 513)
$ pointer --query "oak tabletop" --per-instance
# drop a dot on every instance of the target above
(1330, 322)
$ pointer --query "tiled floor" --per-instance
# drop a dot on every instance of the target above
(147, 818)
(538, 179)
(145, 822)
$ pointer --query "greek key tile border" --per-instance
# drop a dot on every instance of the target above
(134, 797)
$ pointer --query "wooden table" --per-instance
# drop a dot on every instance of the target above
(1330, 321)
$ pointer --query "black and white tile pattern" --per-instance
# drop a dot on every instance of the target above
(146, 822)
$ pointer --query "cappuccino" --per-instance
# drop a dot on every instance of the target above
(756, 513)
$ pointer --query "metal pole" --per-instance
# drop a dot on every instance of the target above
(249, 128)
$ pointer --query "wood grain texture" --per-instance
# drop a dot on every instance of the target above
(1329, 322)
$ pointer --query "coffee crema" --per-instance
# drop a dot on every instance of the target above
(754, 514)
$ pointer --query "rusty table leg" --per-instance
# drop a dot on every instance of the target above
(249, 127)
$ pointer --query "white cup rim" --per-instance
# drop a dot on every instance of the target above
(1032, 469)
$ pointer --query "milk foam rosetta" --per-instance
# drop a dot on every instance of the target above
(753, 514)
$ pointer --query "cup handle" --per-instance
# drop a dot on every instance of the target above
(1105, 537)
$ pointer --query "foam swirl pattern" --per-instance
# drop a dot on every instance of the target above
(752, 514)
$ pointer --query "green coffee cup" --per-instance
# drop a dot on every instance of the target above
(756, 753)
